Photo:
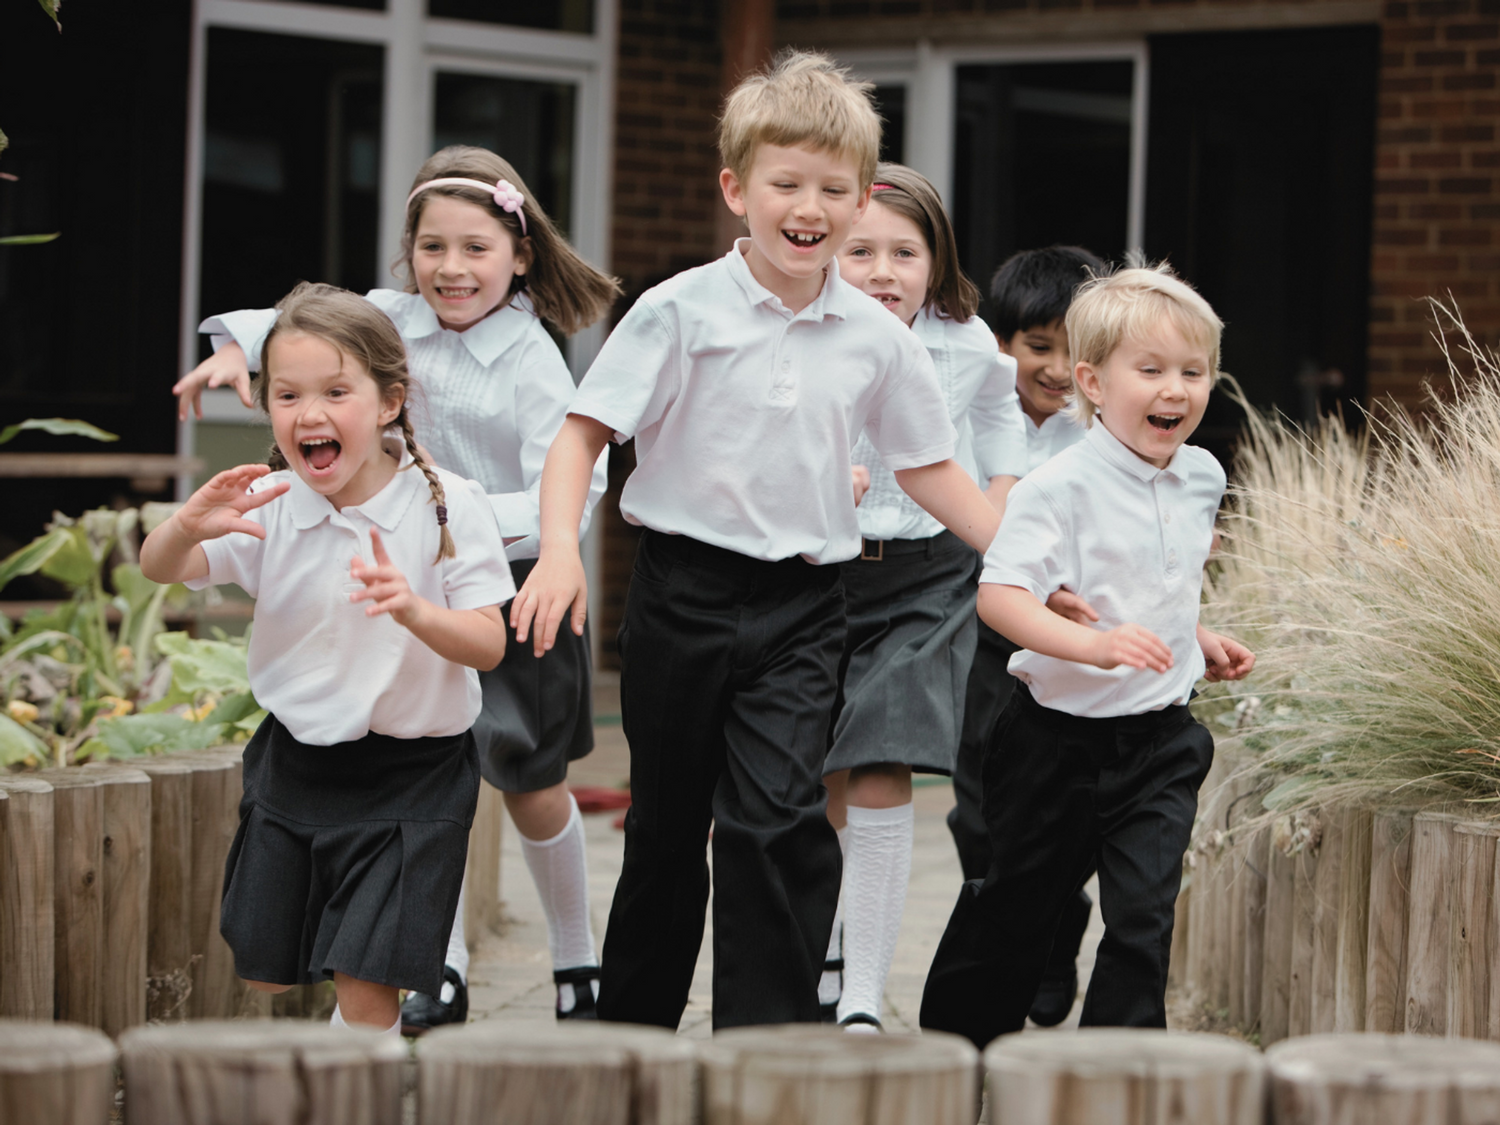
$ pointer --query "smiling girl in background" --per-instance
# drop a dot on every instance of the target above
(485, 268)
(361, 784)
(911, 591)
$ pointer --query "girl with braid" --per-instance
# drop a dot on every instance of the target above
(378, 581)
(487, 275)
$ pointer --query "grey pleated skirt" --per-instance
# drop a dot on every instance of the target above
(349, 858)
(905, 669)
(537, 713)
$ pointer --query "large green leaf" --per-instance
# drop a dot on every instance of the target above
(62, 427)
(32, 557)
(53, 8)
(29, 239)
(130, 735)
(17, 743)
(73, 563)
(200, 666)
(234, 708)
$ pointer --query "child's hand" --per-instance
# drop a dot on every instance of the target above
(227, 366)
(861, 482)
(1134, 645)
(556, 586)
(385, 586)
(1225, 657)
(1065, 603)
(219, 507)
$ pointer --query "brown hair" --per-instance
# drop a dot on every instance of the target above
(363, 333)
(564, 289)
(911, 195)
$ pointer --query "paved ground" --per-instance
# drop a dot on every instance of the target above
(510, 977)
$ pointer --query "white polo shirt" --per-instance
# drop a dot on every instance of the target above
(317, 663)
(1057, 432)
(744, 413)
(487, 404)
(979, 385)
(1132, 540)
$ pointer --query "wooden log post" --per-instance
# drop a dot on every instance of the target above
(1428, 923)
(482, 878)
(1383, 1080)
(78, 902)
(239, 1072)
(1493, 1029)
(1182, 925)
(1354, 922)
(1470, 943)
(1304, 913)
(127, 893)
(810, 1075)
(27, 900)
(1323, 1008)
(55, 1074)
(1253, 886)
(169, 950)
(1236, 876)
(1124, 1076)
(1276, 971)
(1385, 951)
(217, 786)
(600, 1074)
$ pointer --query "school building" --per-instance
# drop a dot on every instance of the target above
(1315, 167)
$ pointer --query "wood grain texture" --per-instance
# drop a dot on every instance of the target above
(482, 878)
(1325, 922)
(1304, 912)
(217, 788)
(1376, 1079)
(813, 1075)
(1276, 973)
(1428, 923)
(599, 1074)
(169, 947)
(1118, 1076)
(127, 893)
(27, 900)
(1390, 890)
(1253, 885)
(1470, 943)
(1354, 922)
(55, 1074)
(78, 905)
(1236, 877)
(222, 1072)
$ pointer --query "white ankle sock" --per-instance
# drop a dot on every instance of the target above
(337, 1020)
(877, 869)
(457, 956)
(559, 867)
(831, 983)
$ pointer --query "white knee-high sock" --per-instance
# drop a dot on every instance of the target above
(458, 949)
(877, 868)
(559, 867)
(832, 982)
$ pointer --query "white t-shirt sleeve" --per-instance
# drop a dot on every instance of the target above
(478, 575)
(909, 424)
(632, 380)
(247, 328)
(995, 417)
(1032, 549)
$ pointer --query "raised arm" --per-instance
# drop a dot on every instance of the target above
(953, 499)
(174, 551)
(237, 338)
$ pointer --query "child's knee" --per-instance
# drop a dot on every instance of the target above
(264, 986)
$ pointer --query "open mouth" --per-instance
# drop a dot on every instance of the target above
(803, 240)
(451, 294)
(1164, 423)
(889, 300)
(1053, 388)
(320, 453)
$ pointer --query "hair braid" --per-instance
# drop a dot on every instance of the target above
(276, 459)
(434, 485)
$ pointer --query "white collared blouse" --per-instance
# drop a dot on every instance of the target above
(490, 400)
(317, 662)
(979, 384)
(1129, 538)
(744, 413)
(1057, 432)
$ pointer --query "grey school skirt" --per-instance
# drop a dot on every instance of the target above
(905, 669)
(349, 858)
(537, 714)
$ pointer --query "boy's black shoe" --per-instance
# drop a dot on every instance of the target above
(421, 1013)
(1054, 998)
(1059, 987)
(582, 979)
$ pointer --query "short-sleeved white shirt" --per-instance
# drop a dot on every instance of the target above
(488, 402)
(744, 413)
(1129, 538)
(979, 384)
(317, 663)
(1057, 432)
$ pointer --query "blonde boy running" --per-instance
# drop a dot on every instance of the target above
(745, 383)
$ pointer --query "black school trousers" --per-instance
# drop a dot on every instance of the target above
(727, 678)
(1064, 791)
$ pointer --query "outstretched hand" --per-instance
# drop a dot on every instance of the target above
(219, 507)
(1224, 657)
(1134, 645)
(226, 367)
(386, 587)
(554, 589)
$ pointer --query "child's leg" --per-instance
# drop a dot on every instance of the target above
(877, 869)
(365, 1003)
(1147, 799)
(989, 690)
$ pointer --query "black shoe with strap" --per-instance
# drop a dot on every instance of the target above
(582, 979)
(830, 1011)
(420, 1013)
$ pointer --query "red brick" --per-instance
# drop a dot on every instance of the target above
(1438, 58)
(1464, 185)
(1442, 158)
(1468, 32)
(1409, 84)
(1464, 236)
(1465, 134)
(1409, 186)
(1416, 33)
(1478, 80)
(1432, 263)
(1434, 211)
(1405, 134)
(1489, 159)
(1395, 339)
(1483, 263)
(1399, 236)
(1439, 107)
(1487, 58)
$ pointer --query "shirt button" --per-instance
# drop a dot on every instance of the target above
(1167, 518)
(1172, 557)
(786, 365)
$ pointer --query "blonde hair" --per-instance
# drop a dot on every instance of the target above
(1130, 304)
(361, 332)
(564, 289)
(911, 195)
(802, 98)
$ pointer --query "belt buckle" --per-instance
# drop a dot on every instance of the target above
(864, 550)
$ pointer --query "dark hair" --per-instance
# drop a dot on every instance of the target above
(1035, 287)
(910, 194)
(363, 333)
(564, 289)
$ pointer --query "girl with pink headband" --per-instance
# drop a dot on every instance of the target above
(485, 269)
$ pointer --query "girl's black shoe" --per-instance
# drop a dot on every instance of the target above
(421, 1013)
(582, 979)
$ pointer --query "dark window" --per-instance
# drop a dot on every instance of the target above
(550, 15)
(371, 5)
(890, 101)
(291, 161)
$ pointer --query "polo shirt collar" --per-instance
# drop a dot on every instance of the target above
(486, 340)
(832, 299)
(1117, 453)
(385, 509)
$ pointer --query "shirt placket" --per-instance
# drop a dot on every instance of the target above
(783, 368)
(1170, 523)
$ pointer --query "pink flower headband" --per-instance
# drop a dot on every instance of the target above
(507, 198)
